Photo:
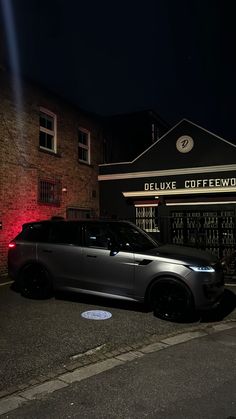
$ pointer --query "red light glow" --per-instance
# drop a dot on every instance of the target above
(12, 245)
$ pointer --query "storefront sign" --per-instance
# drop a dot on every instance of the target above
(191, 184)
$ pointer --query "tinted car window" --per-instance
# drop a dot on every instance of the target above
(37, 232)
(130, 238)
(65, 233)
(97, 235)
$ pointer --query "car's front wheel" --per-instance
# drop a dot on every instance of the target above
(171, 300)
(35, 282)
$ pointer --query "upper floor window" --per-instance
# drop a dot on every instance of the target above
(47, 130)
(84, 145)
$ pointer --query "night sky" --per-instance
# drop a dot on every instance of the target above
(177, 57)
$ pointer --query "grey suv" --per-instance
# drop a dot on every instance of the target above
(113, 259)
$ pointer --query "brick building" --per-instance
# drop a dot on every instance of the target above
(49, 156)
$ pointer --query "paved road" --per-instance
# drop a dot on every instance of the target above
(39, 338)
(193, 379)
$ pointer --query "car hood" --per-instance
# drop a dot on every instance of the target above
(184, 254)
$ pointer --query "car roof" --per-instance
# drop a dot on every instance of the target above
(84, 220)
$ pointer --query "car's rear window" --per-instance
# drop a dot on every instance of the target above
(37, 232)
(52, 232)
(65, 233)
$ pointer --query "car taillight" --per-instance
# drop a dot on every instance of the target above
(12, 245)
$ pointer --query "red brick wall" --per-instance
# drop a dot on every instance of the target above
(22, 163)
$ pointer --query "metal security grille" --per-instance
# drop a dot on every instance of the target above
(77, 213)
(210, 230)
(213, 231)
(146, 218)
(49, 192)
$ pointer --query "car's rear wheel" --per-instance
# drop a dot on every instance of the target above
(35, 282)
(171, 300)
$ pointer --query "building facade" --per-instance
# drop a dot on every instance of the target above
(181, 189)
(49, 156)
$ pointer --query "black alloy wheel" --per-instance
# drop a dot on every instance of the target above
(171, 300)
(35, 282)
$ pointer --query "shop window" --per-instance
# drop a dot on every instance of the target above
(47, 130)
(146, 218)
(84, 145)
(49, 192)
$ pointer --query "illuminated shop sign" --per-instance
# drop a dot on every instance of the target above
(191, 184)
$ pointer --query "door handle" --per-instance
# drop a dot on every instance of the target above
(47, 251)
(91, 256)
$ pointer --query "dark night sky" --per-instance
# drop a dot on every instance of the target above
(177, 57)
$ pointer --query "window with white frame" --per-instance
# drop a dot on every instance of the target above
(47, 130)
(49, 192)
(84, 145)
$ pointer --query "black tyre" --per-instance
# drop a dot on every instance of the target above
(35, 282)
(171, 300)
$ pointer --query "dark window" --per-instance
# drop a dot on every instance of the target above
(131, 239)
(35, 233)
(83, 154)
(97, 235)
(49, 192)
(65, 233)
(46, 140)
(46, 121)
(47, 130)
(83, 137)
(84, 145)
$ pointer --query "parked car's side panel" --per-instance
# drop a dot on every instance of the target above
(109, 273)
(23, 253)
(151, 268)
(64, 262)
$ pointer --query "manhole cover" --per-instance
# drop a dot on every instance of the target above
(96, 315)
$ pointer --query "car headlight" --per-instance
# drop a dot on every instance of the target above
(202, 268)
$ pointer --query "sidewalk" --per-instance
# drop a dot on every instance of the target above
(188, 375)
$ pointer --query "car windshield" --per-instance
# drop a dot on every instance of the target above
(130, 237)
